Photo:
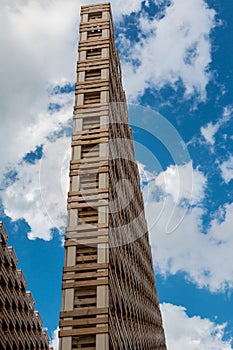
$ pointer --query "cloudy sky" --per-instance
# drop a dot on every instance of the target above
(176, 59)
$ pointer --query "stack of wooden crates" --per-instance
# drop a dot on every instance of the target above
(109, 298)
(20, 326)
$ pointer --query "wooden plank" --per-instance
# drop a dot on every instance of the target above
(86, 227)
(88, 165)
(84, 322)
(83, 192)
(87, 198)
(83, 331)
(87, 66)
(93, 45)
(85, 267)
(87, 234)
(88, 219)
(84, 259)
(92, 131)
(95, 7)
(86, 90)
(86, 311)
(95, 171)
(100, 282)
(90, 108)
(90, 136)
(92, 142)
(91, 113)
(82, 275)
(92, 84)
(78, 241)
(96, 204)
(84, 292)
(93, 25)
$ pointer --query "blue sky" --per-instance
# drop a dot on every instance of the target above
(176, 59)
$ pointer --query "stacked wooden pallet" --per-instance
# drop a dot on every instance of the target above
(84, 316)
(20, 325)
(109, 294)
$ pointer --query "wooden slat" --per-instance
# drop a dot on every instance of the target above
(88, 198)
(88, 311)
(83, 192)
(100, 282)
(82, 275)
(91, 142)
(92, 131)
(90, 136)
(84, 322)
(85, 267)
(86, 258)
(86, 227)
(96, 204)
(89, 165)
(87, 234)
(95, 171)
(85, 241)
(83, 331)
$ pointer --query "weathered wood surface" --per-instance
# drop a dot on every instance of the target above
(109, 294)
(20, 325)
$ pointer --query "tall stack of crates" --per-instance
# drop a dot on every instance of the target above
(20, 326)
(109, 298)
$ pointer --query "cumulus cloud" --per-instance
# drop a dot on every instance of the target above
(227, 169)
(187, 246)
(38, 51)
(189, 250)
(209, 131)
(182, 183)
(55, 341)
(172, 49)
(39, 193)
(192, 333)
(169, 195)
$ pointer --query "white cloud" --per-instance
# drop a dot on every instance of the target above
(174, 48)
(55, 341)
(39, 193)
(179, 243)
(209, 131)
(39, 50)
(182, 183)
(227, 112)
(227, 169)
(192, 333)
(122, 7)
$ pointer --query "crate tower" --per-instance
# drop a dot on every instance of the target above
(109, 298)
(20, 325)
